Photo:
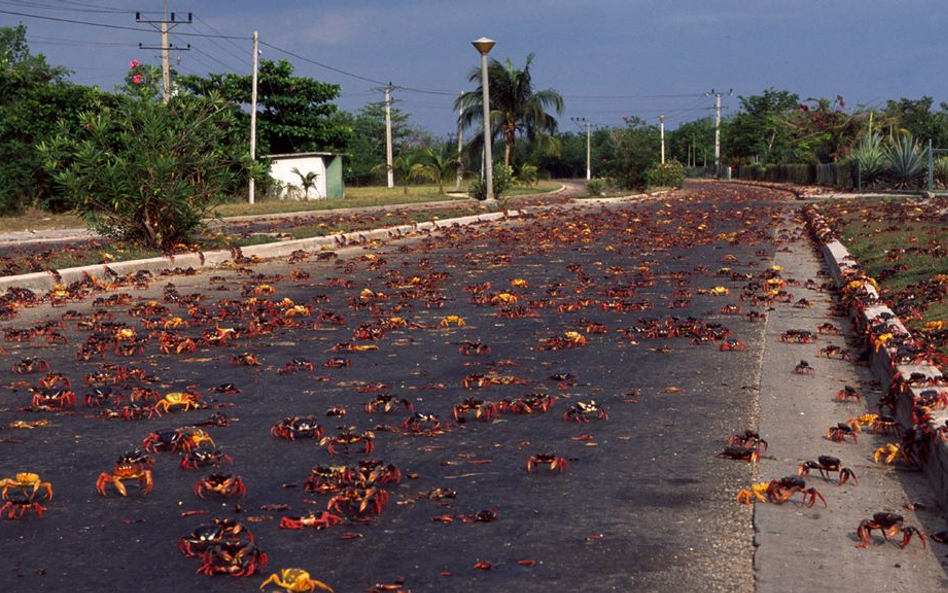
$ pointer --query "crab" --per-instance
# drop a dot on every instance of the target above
(841, 432)
(234, 558)
(325, 479)
(317, 521)
(556, 464)
(476, 381)
(297, 427)
(371, 471)
(346, 438)
(16, 507)
(224, 484)
(890, 524)
(421, 423)
(296, 580)
(893, 451)
(210, 534)
(833, 351)
(386, 402)
(454, 320)
(580, 411)
(848, 393)
(798, 336)
(26, 481)
(741, 453)
(748, 438)
(826, 464)
(804, 368)
(98, 397)
(337, 363)
(246, 359)
(829, 328)
(203, 457)
(879, 424)
(370, 499)
(226, 388)
(469, 348)
(188, 400)
(55, 399)
(123, 472)
(52, 380)
(483, 410)
(184, 440)
(570, 339)
(779, 491)
(527, 404)
(297, 364)
(30, 365)
(733, 345)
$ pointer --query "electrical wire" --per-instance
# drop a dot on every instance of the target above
(321, 65)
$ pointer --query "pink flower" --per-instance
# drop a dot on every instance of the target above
(137, 79)
(134, 64)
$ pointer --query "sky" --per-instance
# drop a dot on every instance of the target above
(607, 58)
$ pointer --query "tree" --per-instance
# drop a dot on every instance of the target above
(34, 96)
(630, 153)
(435, 166)
(692, 142)
(367, 146)
(296, 113)
(823, 130)
(147, 172)
(515, 108)
(758, 130)
(915, 117)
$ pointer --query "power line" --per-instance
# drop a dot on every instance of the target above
(110, 26)
(51, 7)
(230, 41)
(321, 65)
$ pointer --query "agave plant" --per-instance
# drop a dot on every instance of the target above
(905, 160)
(941, 171)
(870, 156)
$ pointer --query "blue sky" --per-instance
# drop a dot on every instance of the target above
(608, 58)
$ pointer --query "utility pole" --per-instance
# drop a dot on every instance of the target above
(457, 181)
(388, 134)
(717, 129)
(661, 119)
(588, 145)
(253, 111)
(165, 25)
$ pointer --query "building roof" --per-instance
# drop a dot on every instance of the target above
(300, 155)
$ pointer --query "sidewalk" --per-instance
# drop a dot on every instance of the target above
(813, 549)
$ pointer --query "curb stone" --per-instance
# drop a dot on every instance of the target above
(46, 281)
(885, 331)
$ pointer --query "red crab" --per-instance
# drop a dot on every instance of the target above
(321, 520)
(224, 484)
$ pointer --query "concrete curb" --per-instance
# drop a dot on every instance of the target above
(908, 379)
(45, 281)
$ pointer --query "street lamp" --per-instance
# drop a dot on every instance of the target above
(484, 45)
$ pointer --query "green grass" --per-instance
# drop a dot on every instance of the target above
(898, 241)
(356, 197)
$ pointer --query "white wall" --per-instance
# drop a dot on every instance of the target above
(282, 171)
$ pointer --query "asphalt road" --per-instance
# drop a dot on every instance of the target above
(644, 505)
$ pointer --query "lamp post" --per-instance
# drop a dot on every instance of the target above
(484, 45)
(661, 119)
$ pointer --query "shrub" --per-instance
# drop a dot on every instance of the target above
(596, 186)
(503, 179)
(528, 175)
(940, 171)
(671, 174)
(870, 157)
(147, 172)
(906, 162)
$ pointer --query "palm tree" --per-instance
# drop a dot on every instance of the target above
(307, 181)
(516, 110)
(434, 166)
